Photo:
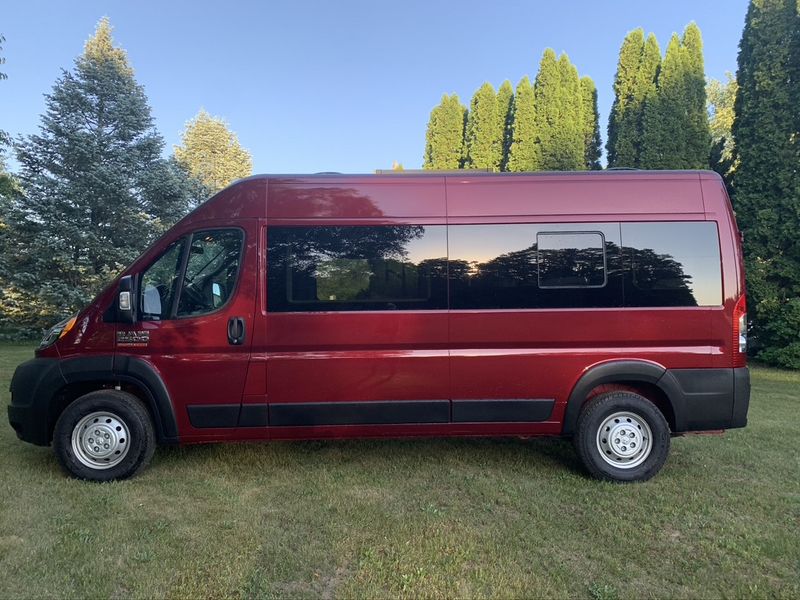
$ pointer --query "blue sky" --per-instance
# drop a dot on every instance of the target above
(335, 86)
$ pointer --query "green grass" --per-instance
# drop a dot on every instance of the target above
(412, 518)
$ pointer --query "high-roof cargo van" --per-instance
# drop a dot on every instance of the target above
(604, 307)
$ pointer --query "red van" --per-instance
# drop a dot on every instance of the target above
(606, 307)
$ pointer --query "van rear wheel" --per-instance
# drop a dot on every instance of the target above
(103, 436)
(622, 436)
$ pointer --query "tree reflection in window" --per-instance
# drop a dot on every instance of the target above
(385, 267)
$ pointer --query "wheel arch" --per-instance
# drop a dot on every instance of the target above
(650, 379)
(132, 374)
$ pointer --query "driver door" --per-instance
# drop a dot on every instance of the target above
(196, 324)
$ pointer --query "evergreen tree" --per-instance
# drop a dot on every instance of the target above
(211, 152)
(721, 97)
(505, 119)
(483, 147)
(766, 182)
(623, 136)
(664, 132)
(444, 139)
(558, 121)
(634, 86)
(522, 153)
(591, 124)
(695, 154)
(94, 188)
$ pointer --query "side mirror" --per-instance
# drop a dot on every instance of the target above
(127, 299)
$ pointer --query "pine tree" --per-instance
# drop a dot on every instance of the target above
(558, 114)
(94, 188)
(623, 136)
(444, 139)
(522, 153)
(766, 182)
(483, 147)
(505, 118)
(591, 124)
(211, 152)
(698, 139)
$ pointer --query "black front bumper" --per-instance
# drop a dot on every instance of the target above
(32, 389)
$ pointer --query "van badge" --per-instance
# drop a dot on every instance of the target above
(133, 339)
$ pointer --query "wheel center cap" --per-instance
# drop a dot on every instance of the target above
(625, 440)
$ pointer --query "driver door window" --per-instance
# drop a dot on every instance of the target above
(211, 271)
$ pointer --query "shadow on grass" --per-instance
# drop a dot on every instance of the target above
(543, 453)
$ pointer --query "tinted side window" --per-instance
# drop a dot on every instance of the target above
(672, 264)
(211, 271)
(535, 266)
(331, 268)
(571, 259)
(160, 283)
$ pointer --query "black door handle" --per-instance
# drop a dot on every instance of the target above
(236, 331)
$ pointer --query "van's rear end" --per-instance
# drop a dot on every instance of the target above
(721, 397)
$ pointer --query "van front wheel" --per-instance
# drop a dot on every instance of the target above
(622, 436)
(103, 436)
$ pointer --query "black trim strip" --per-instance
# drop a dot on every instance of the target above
(213, 415)
(359, 413)
(498, 411)
(253, 415)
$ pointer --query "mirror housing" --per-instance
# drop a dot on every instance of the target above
(127, 300)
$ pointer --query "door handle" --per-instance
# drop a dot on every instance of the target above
(236, 331)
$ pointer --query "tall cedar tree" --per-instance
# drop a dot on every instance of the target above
(675, 133)
(623, 136)
(505, 116)
(698, 137)
(211, 152)
(444, 139)
(635, 83)
(95, 190)
(766, 182)
(591, 124)
(665, 114)
(558, 120)
(483, 143)
(522, 153)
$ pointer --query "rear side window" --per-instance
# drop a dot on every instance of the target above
(345, 268)
(535, 266)
(672, 264)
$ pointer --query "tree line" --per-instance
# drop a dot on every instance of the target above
(550, 124)
(666, 116)
(93, 190)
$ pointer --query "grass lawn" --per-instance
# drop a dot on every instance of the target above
(412, 518)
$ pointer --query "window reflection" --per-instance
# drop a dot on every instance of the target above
(387, 267)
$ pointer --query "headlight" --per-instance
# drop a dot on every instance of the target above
(57, 331)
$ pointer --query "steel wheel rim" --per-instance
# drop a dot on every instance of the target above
(624, 440)
(100, 440)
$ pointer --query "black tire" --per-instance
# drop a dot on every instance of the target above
(125, 412)
(637, 415)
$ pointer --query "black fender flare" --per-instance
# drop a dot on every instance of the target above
(616, 371)
(129, 369)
